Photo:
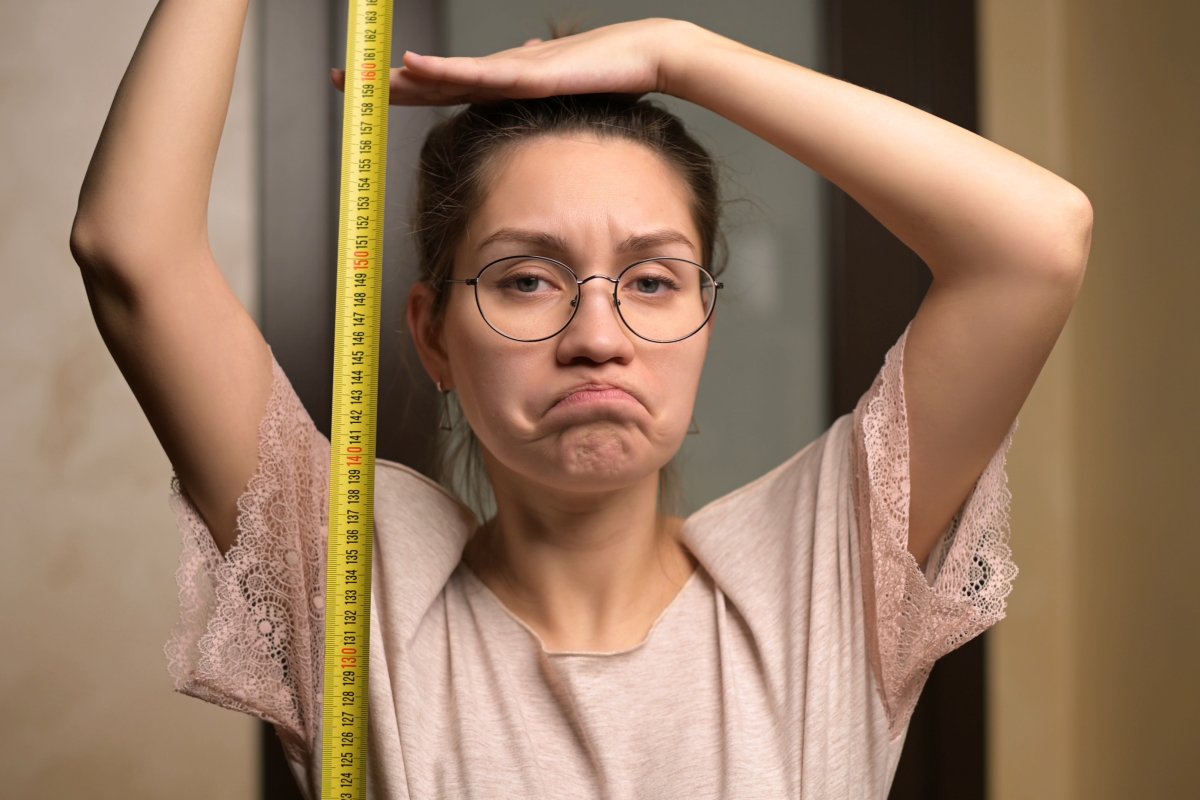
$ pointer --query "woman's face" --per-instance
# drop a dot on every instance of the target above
(594, 408)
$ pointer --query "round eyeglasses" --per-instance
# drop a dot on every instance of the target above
(533, 298)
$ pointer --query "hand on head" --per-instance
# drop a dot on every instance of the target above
(619, 59)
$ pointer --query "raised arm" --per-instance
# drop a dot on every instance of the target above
(1006, 240)
(192, 355)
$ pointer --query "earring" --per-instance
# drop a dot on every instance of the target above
(693, 428)
(444, 423)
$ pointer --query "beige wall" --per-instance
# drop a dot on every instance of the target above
(88, 549)
(1093, 675)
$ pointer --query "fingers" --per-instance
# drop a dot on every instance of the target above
(408, 89)
(493, 75)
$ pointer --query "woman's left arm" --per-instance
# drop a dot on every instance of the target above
(1006, 240)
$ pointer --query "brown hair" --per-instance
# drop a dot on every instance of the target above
(457, 160)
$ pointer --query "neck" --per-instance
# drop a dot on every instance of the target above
(580, 567)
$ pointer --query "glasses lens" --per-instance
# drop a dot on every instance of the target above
(526, 297)
(666, 299)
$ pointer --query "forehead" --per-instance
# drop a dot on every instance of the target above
(585, 190)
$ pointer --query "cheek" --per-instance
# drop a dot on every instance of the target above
(681, 374)
(468, 353)
(491, 377)
(677, 380)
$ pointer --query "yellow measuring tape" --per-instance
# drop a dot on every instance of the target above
(355, 384)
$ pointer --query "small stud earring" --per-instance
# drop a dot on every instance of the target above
(693, 428)
(444, 423)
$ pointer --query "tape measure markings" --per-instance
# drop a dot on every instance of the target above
(355, 396)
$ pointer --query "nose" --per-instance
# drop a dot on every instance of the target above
(596, 333)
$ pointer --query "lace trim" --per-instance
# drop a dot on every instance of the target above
(915, 618)
(249, 636)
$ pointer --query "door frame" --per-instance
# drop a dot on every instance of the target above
(922, 52)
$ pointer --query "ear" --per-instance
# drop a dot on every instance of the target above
(426, 332)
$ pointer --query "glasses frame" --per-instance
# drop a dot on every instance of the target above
(616, 282)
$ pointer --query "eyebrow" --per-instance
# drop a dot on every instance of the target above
(635, 243)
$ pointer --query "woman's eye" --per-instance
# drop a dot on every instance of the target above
(654, 284)
(526, 283)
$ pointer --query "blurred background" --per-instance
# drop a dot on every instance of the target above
(1086, 690)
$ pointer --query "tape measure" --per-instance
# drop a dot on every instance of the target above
(355, 385)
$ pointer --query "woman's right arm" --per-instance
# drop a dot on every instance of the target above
(190, 352)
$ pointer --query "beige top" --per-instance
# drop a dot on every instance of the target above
(787, 666)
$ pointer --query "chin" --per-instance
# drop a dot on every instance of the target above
(603, 458)
(598, 453)
(594, 458)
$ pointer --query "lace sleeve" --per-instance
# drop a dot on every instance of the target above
(915, 618)
(249, 635)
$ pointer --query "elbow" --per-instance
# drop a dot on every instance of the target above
(93, 247)
(84, 243)
(105, 245)
(104, 269)
(1074, 243)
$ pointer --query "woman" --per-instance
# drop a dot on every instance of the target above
(581, 642)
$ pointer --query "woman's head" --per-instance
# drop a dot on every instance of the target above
(596, 182)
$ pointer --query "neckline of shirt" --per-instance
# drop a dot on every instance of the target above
(497, 602)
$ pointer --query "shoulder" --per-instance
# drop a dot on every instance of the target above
(782, 551)
(403, 493)
(759, 541)
(420, 533)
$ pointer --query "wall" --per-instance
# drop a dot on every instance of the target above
(1092, 677)
(88, 549)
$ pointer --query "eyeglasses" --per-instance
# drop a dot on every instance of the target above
(534, 298)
